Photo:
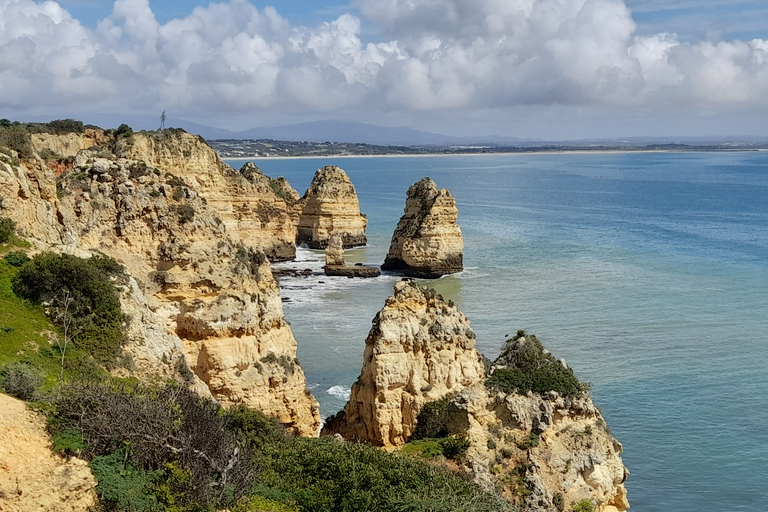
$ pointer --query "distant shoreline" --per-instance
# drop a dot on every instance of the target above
(528, 151)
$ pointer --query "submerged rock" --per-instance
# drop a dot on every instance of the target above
(427, 242)
(329, 207)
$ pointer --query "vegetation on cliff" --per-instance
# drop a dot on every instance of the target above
(524, 365)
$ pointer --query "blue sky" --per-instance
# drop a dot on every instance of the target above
(528, 68)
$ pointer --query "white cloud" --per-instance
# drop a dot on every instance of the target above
(436, 55)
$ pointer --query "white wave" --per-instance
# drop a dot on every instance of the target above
(340, 392)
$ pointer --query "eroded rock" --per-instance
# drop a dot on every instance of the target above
(330, 207)
(427, 242)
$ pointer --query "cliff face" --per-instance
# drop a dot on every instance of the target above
(33, 478)
(427, 241)
(246, 201)
(68, 145)
(419, 349)
(329, 207)
(542, 452)
(201, 298)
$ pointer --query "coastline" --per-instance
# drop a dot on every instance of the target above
(496, 153)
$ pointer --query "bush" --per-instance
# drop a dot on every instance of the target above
(432, 420)
(456, 446)
(79, 292)
(584, 505)
(528, 367)
(20, 380)
(123, 487)
(123, 131)
(185, 212)
(16, 258)
(7, 228)
(530, 441)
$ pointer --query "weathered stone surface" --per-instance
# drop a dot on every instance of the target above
(334, 253)
(32, 478)
(68, 144)
(575, 455)
(202, 299)
(419, 349)
(356, 271)
(334, 262)
(329, 207)
(427, 241)
(245, 201)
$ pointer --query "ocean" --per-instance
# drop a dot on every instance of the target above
(647, 272)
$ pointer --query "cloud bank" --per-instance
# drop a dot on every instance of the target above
(432, 56)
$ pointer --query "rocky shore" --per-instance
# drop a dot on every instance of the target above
(198, 238)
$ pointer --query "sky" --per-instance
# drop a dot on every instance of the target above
(546, 69)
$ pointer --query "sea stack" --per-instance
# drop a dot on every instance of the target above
(427, 242)
(329, 207)
(420, 348)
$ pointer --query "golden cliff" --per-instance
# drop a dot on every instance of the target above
(427, 241)
(32, 477)
(246, 201)
(330, 207)
(201, 298)
(419, 349)
(543, 450)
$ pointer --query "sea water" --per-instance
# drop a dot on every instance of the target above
(647, 272)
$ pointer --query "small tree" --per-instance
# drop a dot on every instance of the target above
(7, 227)
(162, 120)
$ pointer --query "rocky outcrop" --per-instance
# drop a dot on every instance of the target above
(246, 201)
(334, 262)
(427, 241)
(201, 300)
(542, 451)
(32, 478)
(420, 348)
(68, 144)
(329, 207)
(334, 253)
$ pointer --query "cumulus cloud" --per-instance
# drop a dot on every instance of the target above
(434, 55)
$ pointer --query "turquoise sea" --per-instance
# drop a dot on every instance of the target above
(647, 272)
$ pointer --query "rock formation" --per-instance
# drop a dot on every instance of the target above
(251, 205)
(31, 476)
(419, 349)
(334, 253)
(329, 207)
(543, 449)
(334, 262)
(427, 241)
(202, 299)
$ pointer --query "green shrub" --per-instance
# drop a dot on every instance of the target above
(20, 380)
(16, 258)
(584, 505)
(528, 367)
(78, 292)
(186, 212)
(432, 420)
(16, 137)
(67, 441)
(123, 131)
(456, 446)
(7, 228)
(122, 486)
(530, 441)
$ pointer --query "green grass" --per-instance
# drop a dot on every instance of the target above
(26, 336)
(424, 448)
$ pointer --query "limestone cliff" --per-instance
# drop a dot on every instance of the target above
(246, 201)
(32, 478)
(68, 144)
(427, 241)
(420, 348)
(201, 298)
(329, 207)
(543, 449)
